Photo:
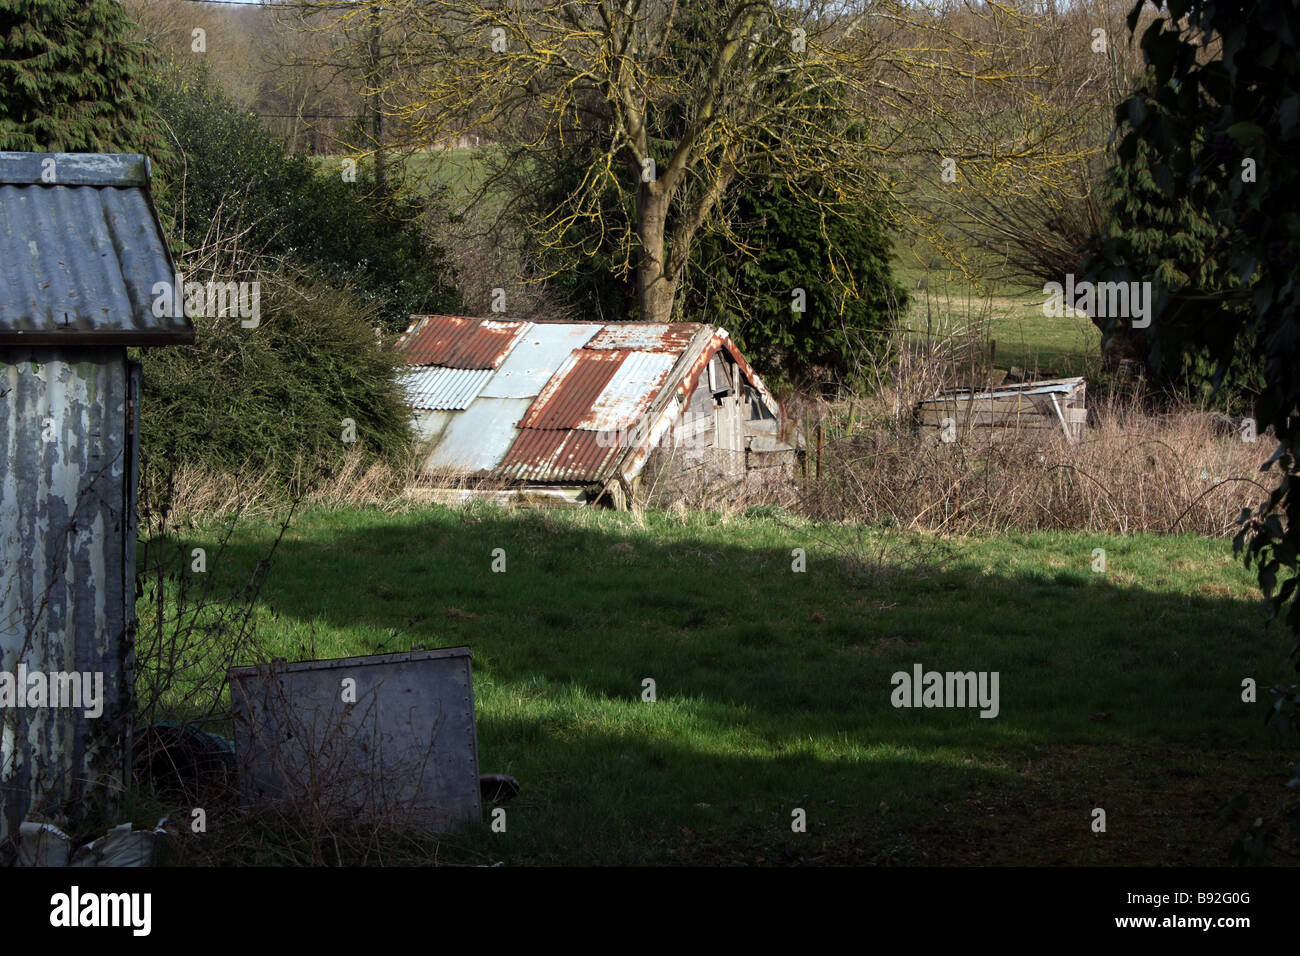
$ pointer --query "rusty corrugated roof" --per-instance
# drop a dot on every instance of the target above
(554, 455)
(568, 396)
(629, 392)
(81, 251)
(454, 341)
(646, 336)
(564, 400)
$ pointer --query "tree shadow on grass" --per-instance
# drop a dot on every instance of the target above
(775, 686)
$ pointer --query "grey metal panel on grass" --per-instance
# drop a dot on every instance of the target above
(78, 262)
(479, 437)
(67, 549)
(404, 749)
(535, 358)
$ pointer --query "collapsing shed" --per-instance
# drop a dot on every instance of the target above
(576, 411)
(1055, 406)
(80, 252)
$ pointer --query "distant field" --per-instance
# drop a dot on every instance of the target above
(1023, 336)
(1118, 690)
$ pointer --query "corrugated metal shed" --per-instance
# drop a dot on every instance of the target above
(566, 399)
(454, 341)
(80, 253)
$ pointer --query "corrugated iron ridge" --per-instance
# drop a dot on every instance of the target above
(645, 336)
(78, 265)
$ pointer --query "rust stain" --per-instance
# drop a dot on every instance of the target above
(646, 337)
(455, 341)
(569, 395)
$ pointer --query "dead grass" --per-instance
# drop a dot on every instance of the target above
(1131, 472)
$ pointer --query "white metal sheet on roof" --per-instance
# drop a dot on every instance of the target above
(443, 388)
(478, 438)
(630, 392)
(537, 354)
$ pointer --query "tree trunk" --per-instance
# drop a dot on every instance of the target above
(656, 290)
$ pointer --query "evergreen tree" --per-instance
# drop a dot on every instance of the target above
(70, 77)
(779, 298)
(1179, 247)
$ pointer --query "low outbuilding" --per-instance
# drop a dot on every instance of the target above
(584, 412)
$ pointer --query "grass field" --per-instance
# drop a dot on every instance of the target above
(1118, 690)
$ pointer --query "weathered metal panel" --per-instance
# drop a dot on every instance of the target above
(630, 391)
(543, 454)
(455, 341)
(646, 336)
(402, 747)
(569, 394)
(78, 263)
(1046, 407)
(67, 601)
(429, 424)
(540, 351)
(74, 169)
(1056, 386)
(443, 388)
(479, 437)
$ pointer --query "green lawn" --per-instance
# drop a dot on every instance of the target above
(1118, 690)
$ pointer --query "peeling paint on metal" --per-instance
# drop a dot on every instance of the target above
(569, 394)
(550, 455)
(646, 336)
(67, 518)
(629, 392)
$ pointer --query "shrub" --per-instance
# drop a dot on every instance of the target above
(273, 398)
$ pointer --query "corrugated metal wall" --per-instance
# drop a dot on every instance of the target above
(67, 531)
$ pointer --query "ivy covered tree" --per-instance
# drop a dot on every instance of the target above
(1194, 351)
(810, 294)
(1217, 123)
(71, 79)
